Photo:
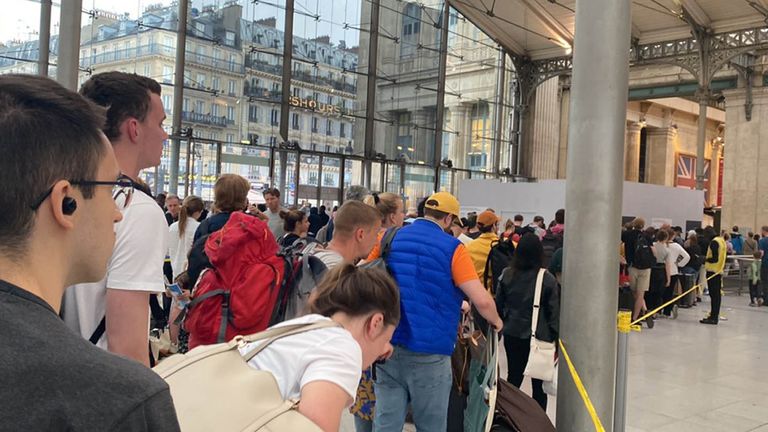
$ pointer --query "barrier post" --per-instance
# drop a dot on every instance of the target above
(622, 363)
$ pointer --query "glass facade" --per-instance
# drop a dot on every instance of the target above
(314, 146)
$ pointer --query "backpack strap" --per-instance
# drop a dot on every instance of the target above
(99, 332)
(224, 318)
(276, 333)
(386, 242)
(537, 302)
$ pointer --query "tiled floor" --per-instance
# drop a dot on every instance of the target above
(685, 376)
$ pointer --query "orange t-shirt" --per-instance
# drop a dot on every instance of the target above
(462, 268)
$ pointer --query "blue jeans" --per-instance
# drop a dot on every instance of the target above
(363, 425)
(422, 379)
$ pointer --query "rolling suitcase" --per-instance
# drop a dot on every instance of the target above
(687, 282)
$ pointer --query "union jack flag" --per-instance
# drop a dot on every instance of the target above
(685, 177)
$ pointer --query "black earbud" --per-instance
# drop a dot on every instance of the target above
(68, 206)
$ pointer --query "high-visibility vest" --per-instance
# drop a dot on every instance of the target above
(716, 267)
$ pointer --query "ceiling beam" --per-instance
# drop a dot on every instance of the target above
(695, 11)
(760, 5)
(553, 26)
(490, 27)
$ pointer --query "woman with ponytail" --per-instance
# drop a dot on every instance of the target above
(182, 233)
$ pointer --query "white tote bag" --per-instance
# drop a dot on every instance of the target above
(541, 360)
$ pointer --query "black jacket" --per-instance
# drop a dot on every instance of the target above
(514, 302)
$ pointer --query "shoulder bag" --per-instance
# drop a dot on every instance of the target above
(543, 355)
(214, 388)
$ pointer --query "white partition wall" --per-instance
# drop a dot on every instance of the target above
(656, 204)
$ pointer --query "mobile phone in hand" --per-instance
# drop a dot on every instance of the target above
(178, 294)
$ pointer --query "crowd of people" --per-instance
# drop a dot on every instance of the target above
(658, 264)
(89, 263)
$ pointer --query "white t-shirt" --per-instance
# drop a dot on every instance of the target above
(330, 258)
(179, 246)
(136, 265)
(677, 257)
(465, 239)
(275, 223)
(329, 354)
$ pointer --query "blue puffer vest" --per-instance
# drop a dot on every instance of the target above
(420, 260)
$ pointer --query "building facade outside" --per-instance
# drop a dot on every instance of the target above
(234, 85)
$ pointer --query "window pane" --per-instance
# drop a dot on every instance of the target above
(330, 39)
(407, 80)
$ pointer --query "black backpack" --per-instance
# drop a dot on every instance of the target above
(696, 260)
(644, 257)
(499, 257)
(550, 243)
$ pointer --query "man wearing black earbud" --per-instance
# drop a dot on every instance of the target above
(58, 172)
(114, 313)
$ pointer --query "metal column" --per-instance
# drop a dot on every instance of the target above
(69, 44)
(43, 53)
(370, 95)
(701, 138)
(442, 70)
(498, 127)
(285, 106)
(593, 204)
(178, 97)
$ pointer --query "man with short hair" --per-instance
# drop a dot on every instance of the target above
(173, 204)
(434, 272)
(639, 278)
(114, 313)
(355, 235)
(59, 173)
(275, 222)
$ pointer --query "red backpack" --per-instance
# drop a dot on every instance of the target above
(238, 294)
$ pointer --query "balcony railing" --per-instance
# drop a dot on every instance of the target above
(263, 66)
(206, 119)
(158, 49)
(262, 93)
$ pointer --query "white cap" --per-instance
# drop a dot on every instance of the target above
(691, 232)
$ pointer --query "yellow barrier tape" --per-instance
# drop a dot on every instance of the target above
(582, 391)
(653, 312)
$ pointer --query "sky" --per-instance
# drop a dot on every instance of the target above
(23, 21)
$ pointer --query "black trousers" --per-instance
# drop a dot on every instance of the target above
(764, 281)
(715, 293)
(669, 294)
(517, 358)
(754, 292)
(656, 288)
